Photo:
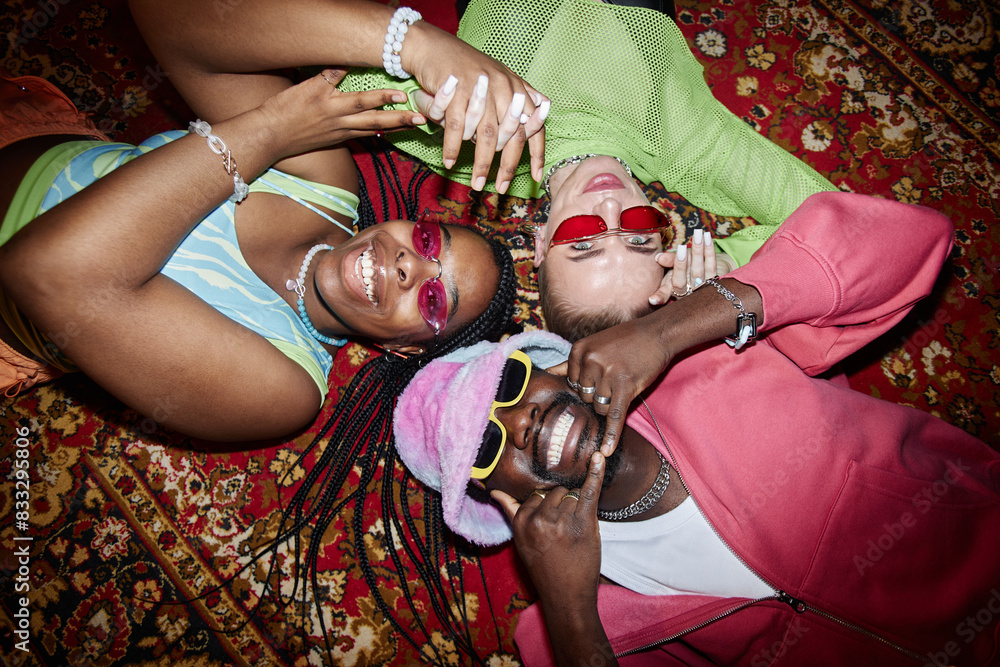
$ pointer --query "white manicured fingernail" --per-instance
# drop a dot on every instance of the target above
(502, 188)
(699, 234)
(449, 86)
(544, 107)
(516, 105)
(449, 163)
(479, 183)
(708, 238)
(482, 85)
(536, 97)
(655, 300)
(682, 253)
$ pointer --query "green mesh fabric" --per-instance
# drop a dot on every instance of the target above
(623, 82)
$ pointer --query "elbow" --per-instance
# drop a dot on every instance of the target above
(40, 277)
(941, 236)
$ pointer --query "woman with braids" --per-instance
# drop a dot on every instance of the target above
(213, 306)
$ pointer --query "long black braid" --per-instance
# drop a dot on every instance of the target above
(359, 438)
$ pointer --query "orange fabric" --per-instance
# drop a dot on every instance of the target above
(18, 372)
(33, 107)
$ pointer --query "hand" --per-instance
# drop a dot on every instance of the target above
(686, 271)
(618, 364)
(558, 538)
(432, 56)
(314, 114)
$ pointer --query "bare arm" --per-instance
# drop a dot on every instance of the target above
(87, 273)
(224, 62)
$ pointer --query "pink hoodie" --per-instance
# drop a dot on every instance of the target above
(876, 524)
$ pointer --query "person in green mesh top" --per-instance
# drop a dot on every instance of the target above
(623, 84)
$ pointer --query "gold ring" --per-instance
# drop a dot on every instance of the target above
(683, 294)
(539, 492)
(572, 494)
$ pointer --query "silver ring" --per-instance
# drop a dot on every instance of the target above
(698, 282)
(603, 400)
(322, 74)
(587, 390)
(573, 385)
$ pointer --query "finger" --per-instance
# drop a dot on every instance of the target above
(510, 157)
(602, 398)
(511, 121)
(679, 277)
(590, 492)
(711, 262)
(536, 148)
(442, 99)
(477, 106)
(333, 75)
(665, 259)
(615, 422)
(375, 121)
(696, 273)
(663, 292)
(534, 129)
(560, 369)
(460, 113)
(507, 503)
(358, 104)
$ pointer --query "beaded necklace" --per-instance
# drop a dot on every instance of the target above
(299, 287)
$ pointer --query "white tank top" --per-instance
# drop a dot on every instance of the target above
(675, 553)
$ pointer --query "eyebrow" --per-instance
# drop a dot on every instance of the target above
(596, 252)
(452, 286)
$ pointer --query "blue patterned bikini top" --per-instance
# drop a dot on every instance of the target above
(209, 262)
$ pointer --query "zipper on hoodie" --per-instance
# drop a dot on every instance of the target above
(799, 606)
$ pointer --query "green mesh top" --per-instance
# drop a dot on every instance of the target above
(623, 82)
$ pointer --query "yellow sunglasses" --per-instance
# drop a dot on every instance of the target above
(513, 384)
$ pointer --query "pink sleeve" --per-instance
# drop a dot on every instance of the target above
(842, 270)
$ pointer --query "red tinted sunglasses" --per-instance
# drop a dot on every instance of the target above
(638, 219)
(432, 299)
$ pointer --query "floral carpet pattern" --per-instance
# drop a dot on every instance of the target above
(117, 535)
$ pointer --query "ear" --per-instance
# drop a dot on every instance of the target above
(404, 349)
(541, 245)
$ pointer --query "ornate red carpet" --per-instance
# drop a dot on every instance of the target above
(132, 529)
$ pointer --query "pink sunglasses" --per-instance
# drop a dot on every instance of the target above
(432, 299)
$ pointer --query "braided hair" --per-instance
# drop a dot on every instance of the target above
(359, 440)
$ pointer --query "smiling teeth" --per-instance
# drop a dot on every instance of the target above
(558, 440)
(367, 273)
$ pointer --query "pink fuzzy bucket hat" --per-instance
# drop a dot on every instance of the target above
(440, 419)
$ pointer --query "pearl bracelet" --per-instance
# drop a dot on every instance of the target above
(394, 36)
(218, 146)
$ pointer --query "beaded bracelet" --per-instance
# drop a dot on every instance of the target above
(218, 146)
(394, 36)
(746, 322)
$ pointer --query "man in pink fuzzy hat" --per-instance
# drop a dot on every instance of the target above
(751, 510)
